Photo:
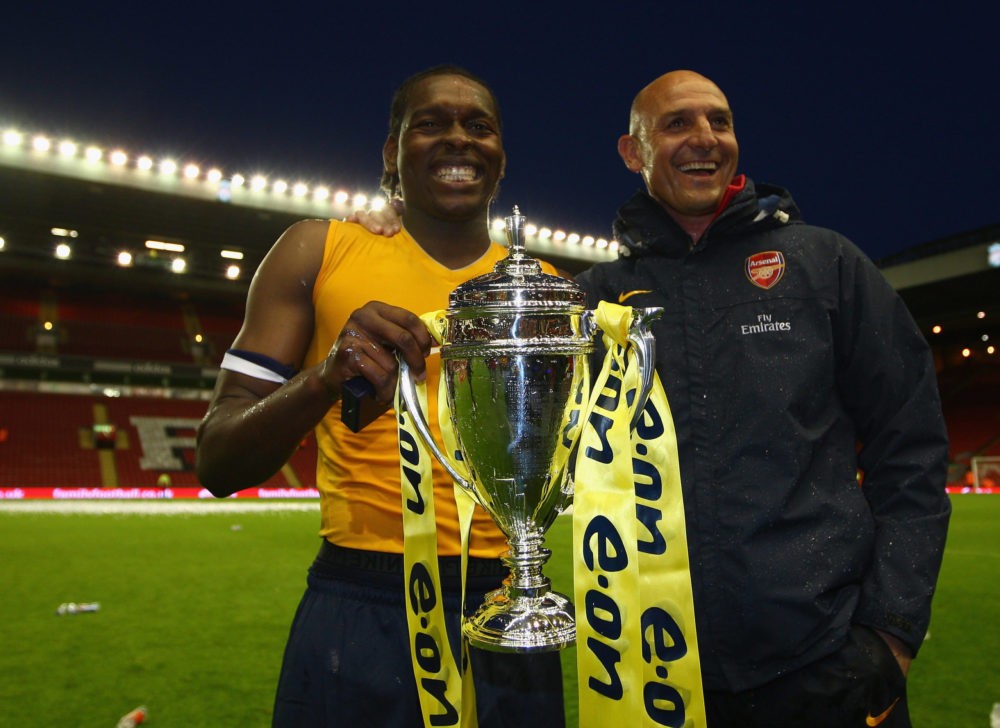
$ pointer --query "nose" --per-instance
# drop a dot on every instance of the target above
(458, 136)
(703, 135)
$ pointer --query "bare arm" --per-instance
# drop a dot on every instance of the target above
(253, 426)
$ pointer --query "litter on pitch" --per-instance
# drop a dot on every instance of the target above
(77, 607)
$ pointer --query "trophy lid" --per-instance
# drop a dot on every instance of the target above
(518, 280)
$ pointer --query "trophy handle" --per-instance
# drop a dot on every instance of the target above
(641, 338)
(407, 390)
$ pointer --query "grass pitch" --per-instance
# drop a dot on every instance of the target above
(194, 614)
(195, 608)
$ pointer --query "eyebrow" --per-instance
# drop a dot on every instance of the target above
(687, 111)
(446, 106)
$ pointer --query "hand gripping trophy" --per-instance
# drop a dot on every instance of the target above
(515, 347)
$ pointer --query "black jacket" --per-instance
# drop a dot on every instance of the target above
(781, 391)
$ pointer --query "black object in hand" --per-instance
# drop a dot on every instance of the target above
(358, 406)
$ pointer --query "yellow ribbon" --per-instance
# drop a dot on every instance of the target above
(637, 650)
(438, 679)
(435, 322)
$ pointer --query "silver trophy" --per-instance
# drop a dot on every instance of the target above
(515, 361)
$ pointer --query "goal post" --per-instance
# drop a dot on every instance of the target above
(985, 472)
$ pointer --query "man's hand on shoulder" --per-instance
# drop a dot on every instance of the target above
(388, 221)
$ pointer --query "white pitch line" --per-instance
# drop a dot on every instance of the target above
(153, 507)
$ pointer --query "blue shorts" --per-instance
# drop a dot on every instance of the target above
(347, 661)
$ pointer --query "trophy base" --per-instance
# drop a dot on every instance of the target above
(522, 624)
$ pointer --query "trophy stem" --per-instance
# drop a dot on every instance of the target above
(525, 559)
(524, 615)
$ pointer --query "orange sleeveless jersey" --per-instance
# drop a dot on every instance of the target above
(357, 474)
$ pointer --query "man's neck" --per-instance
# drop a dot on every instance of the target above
(453, 244)
(693, 226)
(696, 225)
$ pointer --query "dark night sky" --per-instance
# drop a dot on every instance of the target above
(881, 118)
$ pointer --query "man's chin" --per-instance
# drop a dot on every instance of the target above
(459, 212)
(692, 206)
(463, 203)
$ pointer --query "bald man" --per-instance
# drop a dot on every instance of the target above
(812, 447)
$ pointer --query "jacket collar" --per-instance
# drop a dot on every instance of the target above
(644, 227)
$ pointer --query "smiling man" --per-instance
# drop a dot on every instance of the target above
(792, 368)
(331, 303)
(681, 140)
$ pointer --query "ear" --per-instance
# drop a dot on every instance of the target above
(628, 150)
(390, 150)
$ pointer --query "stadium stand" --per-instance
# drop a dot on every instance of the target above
(970, 397)
(218, 322)
(43, 447)
(109, 324)
(114, 324)
(58, 429)
(20, 310)
(73, 441)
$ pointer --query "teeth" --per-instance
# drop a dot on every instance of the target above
(457, 174)
(694, 166)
